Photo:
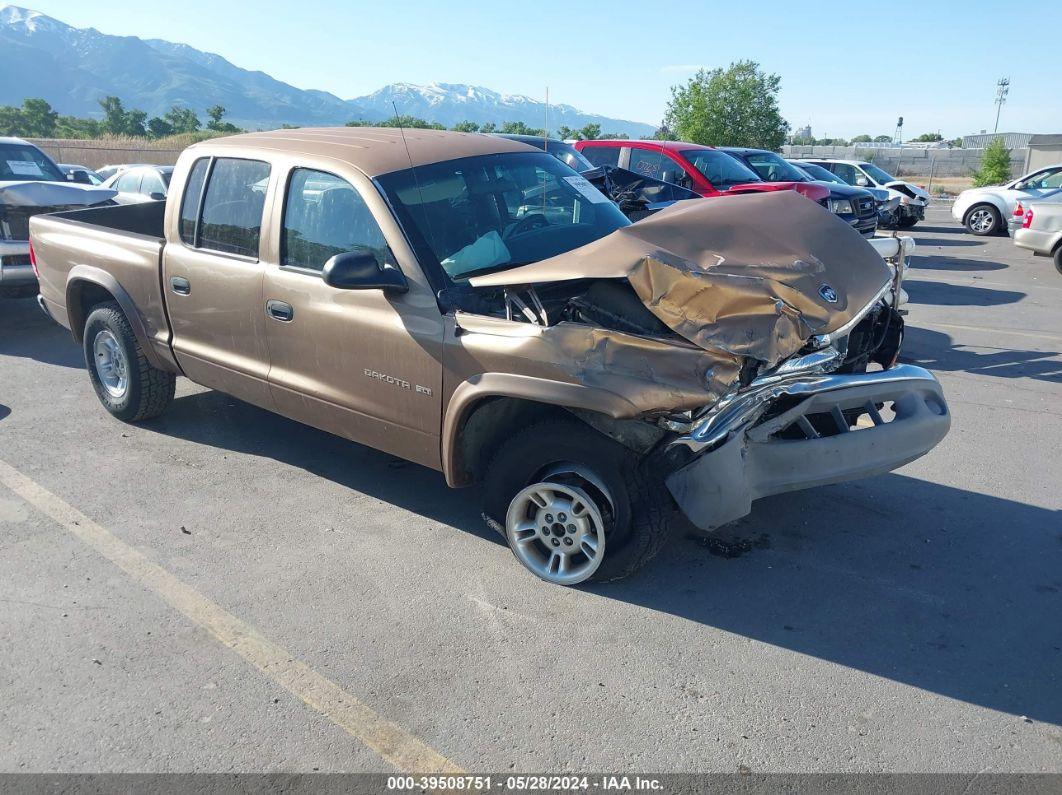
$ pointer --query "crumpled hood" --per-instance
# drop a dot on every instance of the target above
(746, 275)
(34, 193)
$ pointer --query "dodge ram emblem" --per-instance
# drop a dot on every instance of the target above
(828, 293)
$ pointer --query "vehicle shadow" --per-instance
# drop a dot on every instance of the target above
(940, 230)
(950, 591)
(947, 294)
(26, 332)
(218, 420)
(930, 586)
(936, 351)
(946, 263)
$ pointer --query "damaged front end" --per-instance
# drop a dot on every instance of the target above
(762, 353)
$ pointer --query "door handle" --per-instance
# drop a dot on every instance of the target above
(180, 285)
(278, 310)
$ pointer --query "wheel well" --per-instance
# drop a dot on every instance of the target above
(492, 420)
(82, 297)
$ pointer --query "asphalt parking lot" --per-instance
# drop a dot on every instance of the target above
(222, 589)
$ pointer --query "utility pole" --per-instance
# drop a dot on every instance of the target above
(1002, 89)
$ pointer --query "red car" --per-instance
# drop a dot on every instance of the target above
(702, 169)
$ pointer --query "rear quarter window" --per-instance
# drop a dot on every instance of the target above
(602, 155)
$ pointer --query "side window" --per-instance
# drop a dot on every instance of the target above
(1053, 179)
(129, 182)
(231, 218)
(152, 183)
(193, 192)
(656, 165)
(602, 155)
(325, 216)
(845, 172)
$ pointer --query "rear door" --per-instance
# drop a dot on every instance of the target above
(362, 363)
(212, 278)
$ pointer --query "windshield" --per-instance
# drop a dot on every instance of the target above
(570, 156)
(819, 173)
(491, 212)
(719, 168)
(879, 176)
(772, 168)
(19, 162)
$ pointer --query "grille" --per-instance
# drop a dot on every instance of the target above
(865, 207)
(15, 259)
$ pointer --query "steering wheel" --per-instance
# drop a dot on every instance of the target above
(526, 224)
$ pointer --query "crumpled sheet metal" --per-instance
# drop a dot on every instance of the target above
(739, 276)
(35, 193)
(648, 374)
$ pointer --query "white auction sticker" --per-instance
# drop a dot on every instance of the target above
(24, 168)
(584, 186)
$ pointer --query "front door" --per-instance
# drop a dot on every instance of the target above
(213, 278)
(363, 363)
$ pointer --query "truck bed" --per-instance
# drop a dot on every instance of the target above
(117, 249)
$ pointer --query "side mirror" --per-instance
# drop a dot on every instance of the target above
(360, 270)
(862, 182)
(156, 196)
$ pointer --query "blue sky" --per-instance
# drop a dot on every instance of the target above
(846, 69)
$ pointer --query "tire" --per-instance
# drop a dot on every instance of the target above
(1057, 257)
(982, 220)
(907, 222)
(573, 464)
(127, 384)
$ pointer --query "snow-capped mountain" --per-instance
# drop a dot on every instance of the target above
(450, 103)
(72, 68)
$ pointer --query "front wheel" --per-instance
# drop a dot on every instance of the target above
(1057, 256)
(907, 222)
(983, 219)
(126, 383)
(575, 506)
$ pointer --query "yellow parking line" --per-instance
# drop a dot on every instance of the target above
(390, 741)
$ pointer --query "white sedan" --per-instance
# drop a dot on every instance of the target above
(985, 211)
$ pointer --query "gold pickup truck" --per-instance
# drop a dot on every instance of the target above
(474, 305)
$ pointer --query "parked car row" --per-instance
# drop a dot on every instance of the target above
(480, 307)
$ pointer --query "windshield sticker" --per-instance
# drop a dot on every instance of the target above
(24, 168)
(584, 187)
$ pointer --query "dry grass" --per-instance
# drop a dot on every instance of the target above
(946, 186)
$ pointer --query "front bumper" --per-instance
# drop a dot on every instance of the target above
(15, 268)
(813, 442)
(913, 210)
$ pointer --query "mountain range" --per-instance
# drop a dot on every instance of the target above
(72, 68)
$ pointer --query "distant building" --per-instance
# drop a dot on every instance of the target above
(1044, 150)
(1011, 140)
(804, 132)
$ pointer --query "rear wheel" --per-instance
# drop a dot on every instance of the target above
(126, 383)
(982, 219)
(1057, 256)
(574, 505)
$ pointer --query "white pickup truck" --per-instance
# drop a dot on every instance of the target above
(30, 184)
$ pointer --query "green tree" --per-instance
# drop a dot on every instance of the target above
(11, 121)
(565, 133)
(614, 136)
(737, 106)
(882, 139)
(159, 128)
(74, 127)
(487, 128)
(114, 116)
(465, 126)
(862, 139)
(519, 128)
(216, 113)
(39, 120)
(995, 165)
(589, 132)
(664, 133)
(359, 123)
(136, 123)
(182, 120)
(929, 138)
(410, 123)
